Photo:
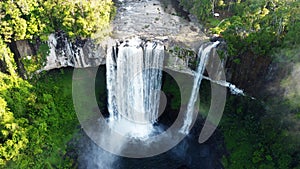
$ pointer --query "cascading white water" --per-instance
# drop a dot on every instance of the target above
(134, 73)
(203, 55)
(232, 87)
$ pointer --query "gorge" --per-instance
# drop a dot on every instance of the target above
(149, 84)
(140, 133)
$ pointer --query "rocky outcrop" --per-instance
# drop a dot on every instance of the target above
(148, 20)
(21, 49)
(24, 48)
(154, 19)
(75, 53)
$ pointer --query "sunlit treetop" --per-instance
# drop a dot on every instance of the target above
(24, 19)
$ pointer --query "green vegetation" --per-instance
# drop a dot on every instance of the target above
(171, 90)
(35, 124)
(34, 20)
(255, 139)
(22, 19)
(256, 135)
(185, 54)
(259, 27)
(37, 116)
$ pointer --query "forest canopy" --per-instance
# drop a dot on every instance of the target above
(37, 116)
(34, 124)
(26, 19)
(256, 26)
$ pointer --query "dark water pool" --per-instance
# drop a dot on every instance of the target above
(188, 154)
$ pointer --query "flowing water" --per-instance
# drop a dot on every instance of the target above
(133, 81)
(233, 89)
(203, 56)
(134, 73)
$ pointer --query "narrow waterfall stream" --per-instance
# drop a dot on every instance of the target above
(233, 89)
(203, 54)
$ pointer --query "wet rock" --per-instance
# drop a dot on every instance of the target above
(215, 38)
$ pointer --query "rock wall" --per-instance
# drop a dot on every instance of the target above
(249, 73)
(148, 20)
(157, 20)
(21, 49)
(78, 53)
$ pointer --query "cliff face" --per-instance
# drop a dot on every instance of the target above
(21, 49)
(77, 53)
(250, 73)
(148, 21)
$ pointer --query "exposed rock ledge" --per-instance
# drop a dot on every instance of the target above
(147, 19)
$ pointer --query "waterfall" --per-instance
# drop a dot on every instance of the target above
(232, 87)
(134, 73)
(203, 55)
